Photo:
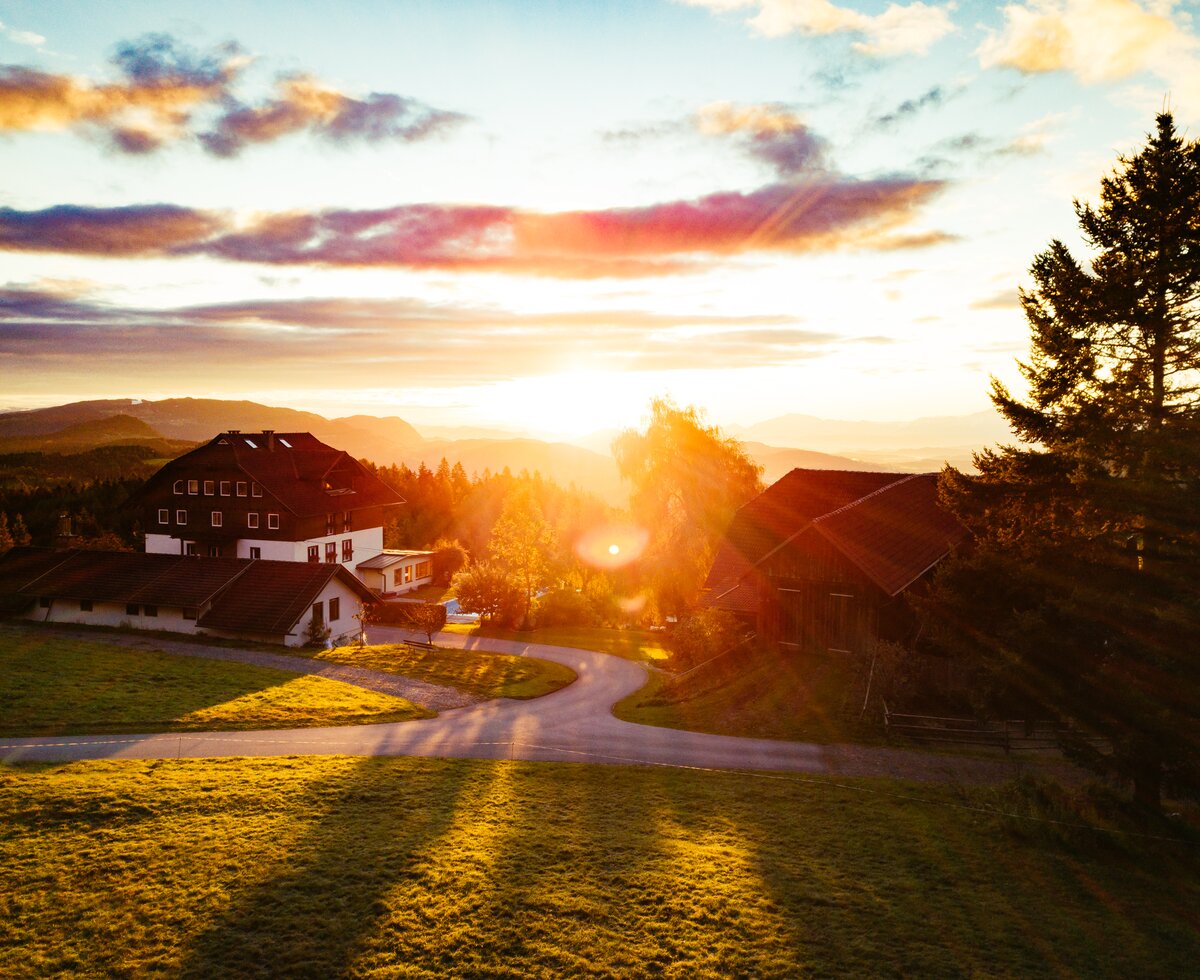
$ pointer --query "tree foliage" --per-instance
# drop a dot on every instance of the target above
(489, 589)
(426, 617)
(1080, 598)
(523, 543)
(686, 482)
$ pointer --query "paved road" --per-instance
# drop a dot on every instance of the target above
(574, 724)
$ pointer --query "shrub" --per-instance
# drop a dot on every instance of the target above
(701, 636)
(488, 589)
(565, 607)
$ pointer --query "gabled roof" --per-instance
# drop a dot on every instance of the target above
(272, 596)
(889, 525)
(305, 475)
(250, 595)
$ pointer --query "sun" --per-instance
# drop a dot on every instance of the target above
(614, 549)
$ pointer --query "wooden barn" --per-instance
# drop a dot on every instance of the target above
(821, 559)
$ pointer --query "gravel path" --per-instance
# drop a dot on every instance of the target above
(574, 724)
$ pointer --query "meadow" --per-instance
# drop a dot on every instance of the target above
(51, 684)
(432, 868)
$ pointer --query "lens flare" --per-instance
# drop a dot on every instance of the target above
(612, 545)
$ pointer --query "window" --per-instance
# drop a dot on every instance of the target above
(251, 444)
(396, 577)
(131, 609)
(331, 551)
(348, 549)
(288, 445)
(190, 549)
(85, 605)
(164, 516)
(210, 487)
(273, 522)
(178, 488)
(314, 552)
(346, 522)
(318, 615)
(181, 517)
(241, 488)
(255, 553)
(189, 612)
(252, 520)
(44, 602)
(335, 609)
(424, 569)
(255, 489)
(217, 518)
(193, 487)
(149, 610)
(329, 524)
(214, 551)
(225, 488)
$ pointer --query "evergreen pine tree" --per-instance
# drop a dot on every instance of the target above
(1081, 595)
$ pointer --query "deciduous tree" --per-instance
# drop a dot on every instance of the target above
(686, 481)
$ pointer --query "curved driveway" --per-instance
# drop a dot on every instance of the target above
(573, 724)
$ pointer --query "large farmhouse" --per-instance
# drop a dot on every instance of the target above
(820, 560)
(285, 496)
(271, 601)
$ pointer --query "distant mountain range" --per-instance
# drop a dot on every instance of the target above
(171, 425)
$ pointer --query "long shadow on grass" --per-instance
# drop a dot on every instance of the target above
(51, 685)
(366, 834)
(870, 885)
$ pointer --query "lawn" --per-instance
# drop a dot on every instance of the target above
(53, 685)
(640, 645)
(433, 868)
(487, 675)
(759, 693)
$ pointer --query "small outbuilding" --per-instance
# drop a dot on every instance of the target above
(821, 559)
(396, 572)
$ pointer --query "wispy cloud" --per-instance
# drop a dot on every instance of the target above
(900, 29)
(770, 132)
(40, 327)
(165, 92)
(28, 38)
(824, 213)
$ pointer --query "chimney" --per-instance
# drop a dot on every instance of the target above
(270, 434)
(235, 432)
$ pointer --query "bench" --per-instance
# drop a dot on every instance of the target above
(419, 645)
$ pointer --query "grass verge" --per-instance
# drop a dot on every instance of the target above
(639, 645)
(758, 693)
(430, 868)
(487, 675)
(51, 685)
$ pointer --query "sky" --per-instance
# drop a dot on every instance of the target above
(538, 216)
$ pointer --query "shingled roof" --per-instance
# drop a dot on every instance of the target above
(305, 475)
(246, 595)
(889, 525)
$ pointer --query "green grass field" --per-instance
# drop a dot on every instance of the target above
(433, 868)
(639, 645)
(488, 675)
(54, 685)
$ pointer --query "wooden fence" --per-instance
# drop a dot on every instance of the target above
(1011, 736)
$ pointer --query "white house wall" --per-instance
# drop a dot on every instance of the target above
(111, 614)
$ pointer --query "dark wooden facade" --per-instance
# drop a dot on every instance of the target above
(821, 560)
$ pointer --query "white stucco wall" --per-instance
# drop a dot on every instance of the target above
(342, 630)
(111, 614)
(161, 544)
